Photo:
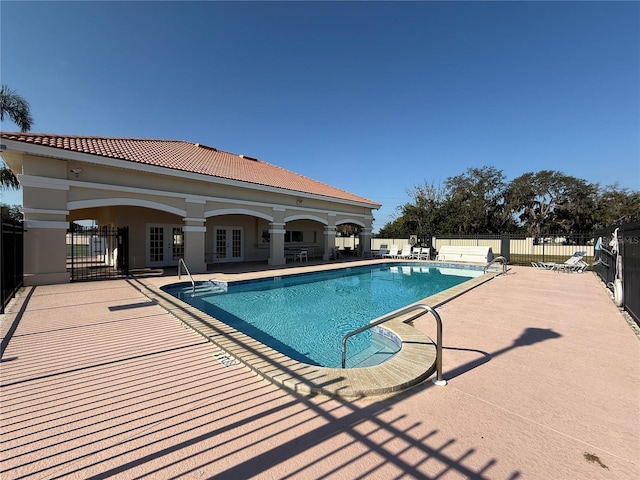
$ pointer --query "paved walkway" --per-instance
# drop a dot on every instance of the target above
(98, 382)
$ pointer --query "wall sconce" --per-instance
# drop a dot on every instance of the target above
(299, 201)
(76, 171)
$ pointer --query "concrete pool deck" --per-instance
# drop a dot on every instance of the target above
(415, 361)
(99, 382)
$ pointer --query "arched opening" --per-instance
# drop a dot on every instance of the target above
(304, 238)
(348, 237)
(236, 235)
(112, 237)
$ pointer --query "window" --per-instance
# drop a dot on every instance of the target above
(177, 249)
(293, 236)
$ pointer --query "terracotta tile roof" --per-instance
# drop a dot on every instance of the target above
(188, 157)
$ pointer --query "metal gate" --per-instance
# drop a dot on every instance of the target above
(11, 259)
(97, 253)
(618, 256)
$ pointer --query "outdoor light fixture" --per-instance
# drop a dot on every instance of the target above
(299, 201)
(76, 171)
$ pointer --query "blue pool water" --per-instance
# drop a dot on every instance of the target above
(306, 316)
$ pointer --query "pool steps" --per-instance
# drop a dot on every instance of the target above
(382, 348)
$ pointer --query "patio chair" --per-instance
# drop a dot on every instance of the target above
(406, 252)
(422, 253)
(573, 263)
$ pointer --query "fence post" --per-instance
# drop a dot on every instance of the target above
(1, 265)
(505, 246)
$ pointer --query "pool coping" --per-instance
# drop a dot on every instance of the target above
(414, 363)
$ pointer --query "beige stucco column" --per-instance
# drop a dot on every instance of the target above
(194, 236)
(329, 240)
(276, 238)
(365, 242)
(45, 224)
(276, 245)
(45, 260)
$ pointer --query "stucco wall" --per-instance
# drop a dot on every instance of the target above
(58, 191)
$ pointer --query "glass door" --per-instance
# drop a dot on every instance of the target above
(165, 245)
(229, 244)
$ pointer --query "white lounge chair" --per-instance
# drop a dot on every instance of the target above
(406, 252)
(572, 264)
(392, 253)
(577, 267)
(382, 252)
(422, 253)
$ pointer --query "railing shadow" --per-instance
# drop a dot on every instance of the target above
(484, 358)
(530, 336)
(6, 338)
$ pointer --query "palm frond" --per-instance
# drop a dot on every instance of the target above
(16, 108)
(8, 180)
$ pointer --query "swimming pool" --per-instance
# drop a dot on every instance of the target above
(305, 316)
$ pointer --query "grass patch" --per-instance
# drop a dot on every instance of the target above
(78, 250)
(525, 260)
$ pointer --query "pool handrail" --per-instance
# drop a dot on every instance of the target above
(438, 380)
(193, 284)
(500, 259)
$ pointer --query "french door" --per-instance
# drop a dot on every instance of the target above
(228, 244)
(165, 245)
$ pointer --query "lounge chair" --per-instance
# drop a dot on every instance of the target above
(406, 252)
(382, 252)
(572, 264)
(577, 267)
(392, 253)
(422, 253)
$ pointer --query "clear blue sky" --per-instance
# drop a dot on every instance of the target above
(371, 97)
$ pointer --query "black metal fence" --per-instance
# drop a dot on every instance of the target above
(97, 253)
(11, 259)
(617, 262)
(612, 253)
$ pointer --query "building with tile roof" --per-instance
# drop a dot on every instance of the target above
(178, 200)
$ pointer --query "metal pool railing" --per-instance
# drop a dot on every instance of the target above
(500, 259)
(193, 284)
(438, 380)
